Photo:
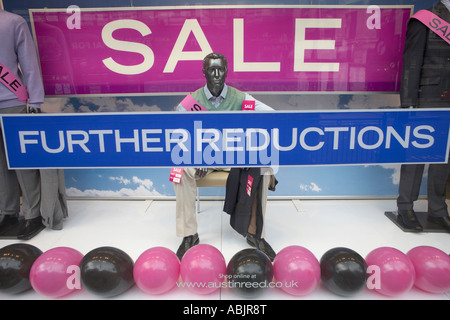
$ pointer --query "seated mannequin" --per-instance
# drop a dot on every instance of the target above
(215, 96)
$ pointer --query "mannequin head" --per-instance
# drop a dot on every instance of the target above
(215, 70)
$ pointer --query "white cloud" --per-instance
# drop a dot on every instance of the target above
(373, 101)
(121, 180)
(300, 101)
(147, 183)
(124, 192)
(396, 172)
(310, 187)
(136, 187)
(315, 187)
(95, 104)
(54, 105)
(113, 104)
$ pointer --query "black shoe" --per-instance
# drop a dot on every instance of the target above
(442, 221)
(7, 221)
(30, 228)
(187, 243)
(262, 245)
(409, 219)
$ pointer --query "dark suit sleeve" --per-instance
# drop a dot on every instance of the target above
(415, 44)
(232, 189)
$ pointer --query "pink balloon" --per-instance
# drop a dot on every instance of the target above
(432, 269)
(391, 272)
(56, 273)
(203, 269)
(296, 270)
(157, 270)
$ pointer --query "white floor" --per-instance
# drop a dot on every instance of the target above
(318, 225)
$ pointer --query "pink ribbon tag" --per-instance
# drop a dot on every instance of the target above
(434, 23)
(13, 84)
(190, 104)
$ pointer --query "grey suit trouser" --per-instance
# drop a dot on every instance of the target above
(43, 191)
(409, 187)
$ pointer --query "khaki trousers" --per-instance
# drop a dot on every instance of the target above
(186, 191)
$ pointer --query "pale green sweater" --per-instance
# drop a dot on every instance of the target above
(232, 102)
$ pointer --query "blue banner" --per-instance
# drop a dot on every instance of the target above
(231, 139)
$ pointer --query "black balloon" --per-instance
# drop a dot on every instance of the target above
(15, 264)
(106, 271)
(249, 272)
(343, 271)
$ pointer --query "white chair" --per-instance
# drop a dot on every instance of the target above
(214, 179)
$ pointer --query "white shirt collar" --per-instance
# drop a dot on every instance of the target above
(223, 94)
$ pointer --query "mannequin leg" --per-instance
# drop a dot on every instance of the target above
(409, 187)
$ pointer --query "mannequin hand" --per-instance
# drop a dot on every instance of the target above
(201, 172)
(34, 110)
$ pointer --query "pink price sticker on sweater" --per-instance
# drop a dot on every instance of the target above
(175, 175)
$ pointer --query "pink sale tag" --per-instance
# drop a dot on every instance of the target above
(175, 175)
(249, 185)
(248, 105)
